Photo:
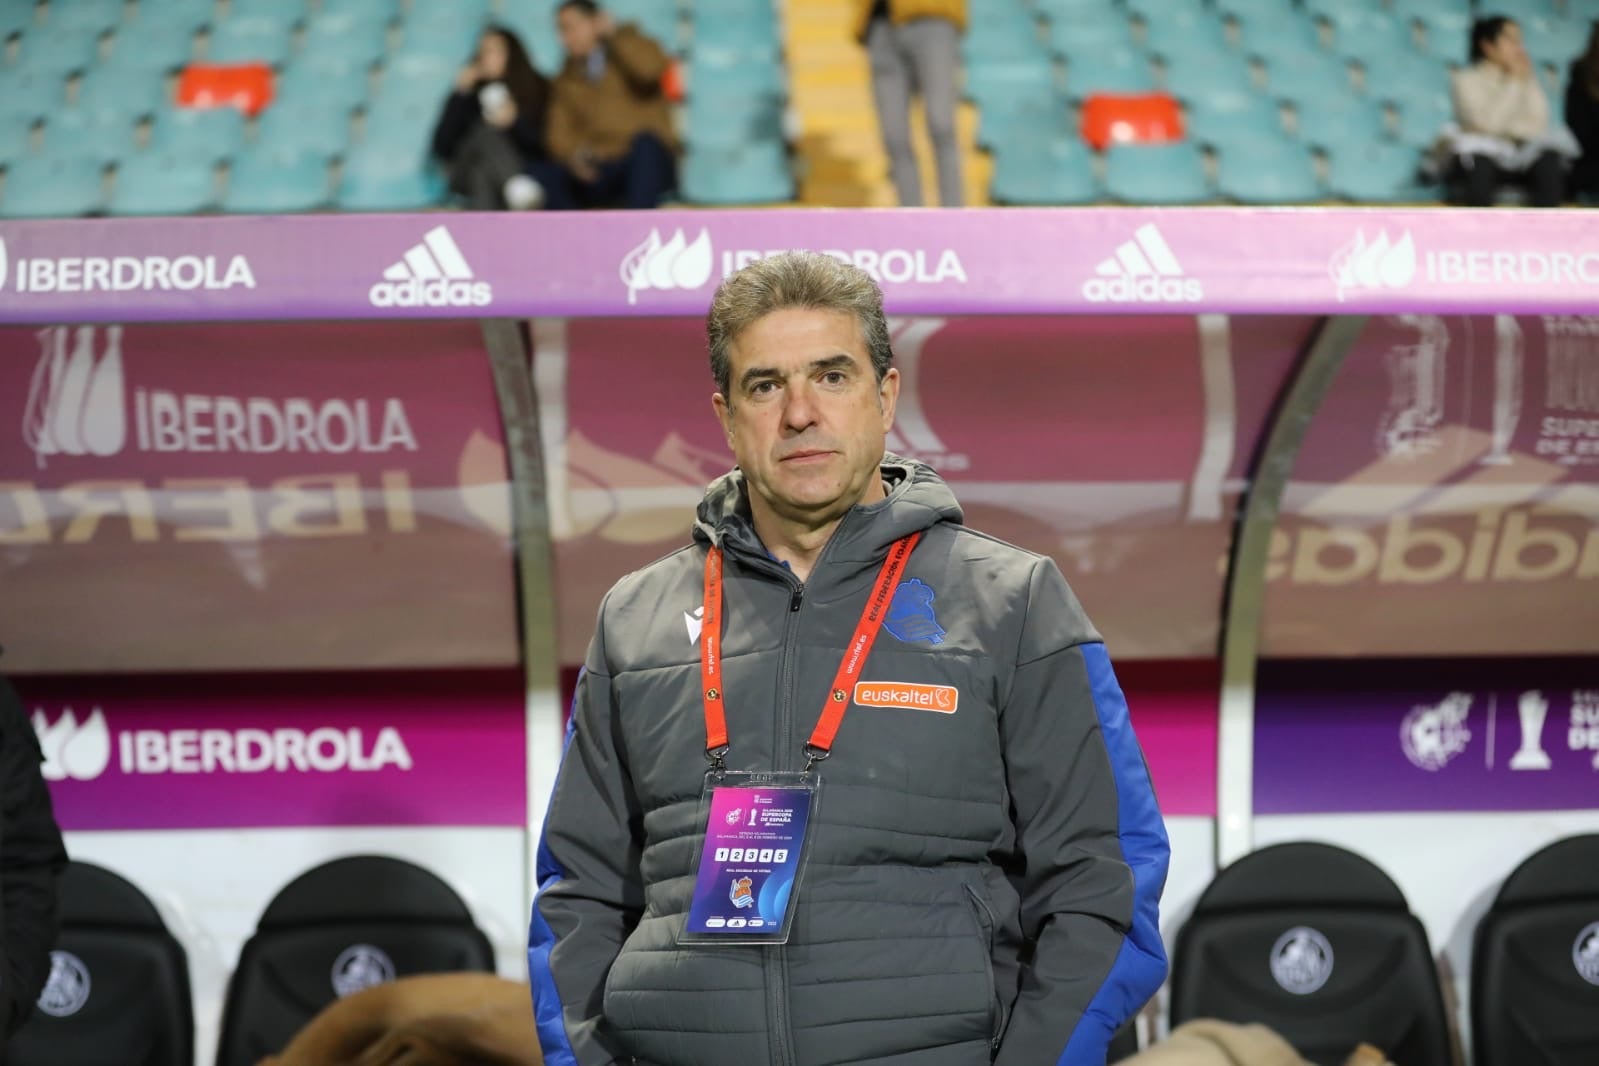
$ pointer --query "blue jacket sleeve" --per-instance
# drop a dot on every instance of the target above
(1093, 844)
(590, 893)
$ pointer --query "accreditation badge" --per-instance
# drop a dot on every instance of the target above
(756, 831)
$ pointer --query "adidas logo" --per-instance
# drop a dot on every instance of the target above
(694, 620)
(432, 274)
(1143, 270)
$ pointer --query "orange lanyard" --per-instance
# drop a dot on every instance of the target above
(837, 701)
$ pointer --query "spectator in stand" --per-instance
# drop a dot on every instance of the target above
(1582, 117)
(492, 126)
(610, 132)
(1504, 136)
(914, 46)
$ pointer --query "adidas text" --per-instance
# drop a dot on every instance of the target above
(438, 293)
(1125, 290)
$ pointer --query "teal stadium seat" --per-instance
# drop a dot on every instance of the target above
(1421, 118)
(96, 135)
(1216, 125)
(264, 182)
(1047, 115)
(1335, 123)
(16, 140)
(212, 134)
(1111, 70)
(52, 187)
(83, 16)
(350, 39)
(714, 120)
(127, 94)
(1066, 11)
(1404, 76)
(153, 48)
(453, 39)
(290, 129)
(1377, 172)
(305, 84)
(1276, 30)
(26, 96)
(1206, 35)
(1308, 76)
(1033, 170)
(290, 12)
(1175, 12)
(16, 18)
(756, 173)
(1158, 174)
(1005, 85)
(51, 53)
(251, 39)
(758, 77)
(152, 184)
(376, 179)
(388, 9)
(1271, 170)
(414, 78)
(1373, 38)
(1106, 31)
(1211, 76)
(1446, 33)
(1009, 35)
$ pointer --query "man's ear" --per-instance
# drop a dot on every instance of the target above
(724, 415)
(888, 397)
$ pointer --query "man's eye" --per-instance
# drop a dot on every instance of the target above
(761, 388)
(834, 377)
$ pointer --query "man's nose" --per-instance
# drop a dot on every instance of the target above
(799, 408)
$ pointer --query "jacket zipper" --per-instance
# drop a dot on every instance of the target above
(784, 758)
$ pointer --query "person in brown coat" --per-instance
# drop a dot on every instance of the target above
(448, 1019)
(609, 131)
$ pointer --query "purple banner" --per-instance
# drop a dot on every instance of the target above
(335, 750)
(1435, 736)
(283, 496)
(993, 261)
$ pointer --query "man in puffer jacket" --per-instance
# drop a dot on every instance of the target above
(986, 857)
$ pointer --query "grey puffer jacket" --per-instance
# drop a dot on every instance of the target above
(982, 885)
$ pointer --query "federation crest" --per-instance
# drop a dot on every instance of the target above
(742, 893)
(1585, 953)
(1301, 960)
(361, 966)
(66, 990)
(910, 615)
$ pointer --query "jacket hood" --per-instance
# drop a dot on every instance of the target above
(918, 499)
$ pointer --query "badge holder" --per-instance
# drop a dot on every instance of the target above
(752, 856)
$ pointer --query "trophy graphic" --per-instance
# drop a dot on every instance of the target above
(1532, 708)
(1507, 388)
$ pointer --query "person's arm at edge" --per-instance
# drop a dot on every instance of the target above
(1093, 844)
(590, 894)
(32, 857)
(641, 60)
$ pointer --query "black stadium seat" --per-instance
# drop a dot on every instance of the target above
(1318, 944)
(334, 930)
(118, 993)
(1535, 963)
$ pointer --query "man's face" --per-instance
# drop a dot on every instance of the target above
(804, 414)
(579, 32)
(1507, 50)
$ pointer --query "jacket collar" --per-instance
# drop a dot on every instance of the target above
(918, 499)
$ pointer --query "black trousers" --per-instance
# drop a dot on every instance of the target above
(1476, 180)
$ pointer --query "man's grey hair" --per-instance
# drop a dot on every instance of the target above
(807, 280)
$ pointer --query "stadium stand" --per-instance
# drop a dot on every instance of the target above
(1285, 101)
